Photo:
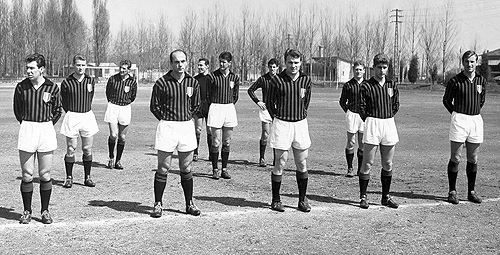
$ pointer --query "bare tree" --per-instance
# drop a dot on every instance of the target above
(101, 31)
(449, 30)
(4, 39)
(429, 38)
(413, 29)
(187, 36)
(74, 30)
(34, 29)
(369, 40)
(381, 32)
(163, 43)
(353, 33)
(19, 36)
(53, 36)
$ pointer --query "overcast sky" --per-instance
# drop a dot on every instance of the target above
(476, 20)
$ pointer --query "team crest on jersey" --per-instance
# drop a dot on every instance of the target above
(390, 91)
(479, 88)
(46, 97)
(89, 87)
(189, 91)
(126, 89)
(231, 84)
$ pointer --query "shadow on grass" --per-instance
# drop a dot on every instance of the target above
(123, 206)
(94, 164)
(316, 172)
(9, 214)
(326, 199)
(234, 201)
(413, 195)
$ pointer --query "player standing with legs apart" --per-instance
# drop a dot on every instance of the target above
(174, 100)
(463, 98)
(264, 83)
(290, 95)
(77, 92)
(378, 105)
(223, 92)
(120, 92)
(37, 107)
(202, 113)
(349, 101)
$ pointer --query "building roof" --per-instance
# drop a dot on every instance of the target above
(494, 53)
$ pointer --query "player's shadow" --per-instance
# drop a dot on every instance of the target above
(316, 172)
(156, 154)
(413, 195)
(233, 201)
(123, 206)
(94, 164)
(326, 199)
(9, 214)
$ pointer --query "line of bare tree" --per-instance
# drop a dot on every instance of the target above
(56, 28)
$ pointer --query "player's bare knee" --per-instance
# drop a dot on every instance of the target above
(27, 177)
(113, 137)
(70, 150)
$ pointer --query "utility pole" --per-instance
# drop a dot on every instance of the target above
(395, 58)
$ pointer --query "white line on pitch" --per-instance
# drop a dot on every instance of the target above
(104, 222)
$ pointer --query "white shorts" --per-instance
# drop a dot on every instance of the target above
(222, 115)
(171, 135)
(37, 136)
(380, 131)
(465, 127)
(286, 134)
(78, 123)
(118, 114)
(354, 123)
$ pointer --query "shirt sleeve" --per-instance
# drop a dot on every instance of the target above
(483, 94)
(236, 89)
(18, 103)
(156, 102)
(56, 105)
(362, 102)
(64, 95)
(307, 98)
(449, 94)
(195, 100)
(251, 91)
(343, 98)
(109, 86)
(395, 99)
(133, 91)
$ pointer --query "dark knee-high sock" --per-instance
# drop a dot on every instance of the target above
(209, 141)
(214, 157)
(275, 186)
(385, 178)
(197, 144)
(45, 192)
(87, 164)
(349, 156)
(120, 145)
(159, 186)
(225, 155)
(471, 170)
(69, 161)
(360, 159)
(452, 175)
(302, 178)
(111, 146)
(187, 186)
(363, 184)
(262, 149)
(27, 194)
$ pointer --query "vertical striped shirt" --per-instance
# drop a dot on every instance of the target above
(77, 96)
(378, 101)
(463, 96)
(121, 92)
(204, 81)
(37, 105)
(174, 101)
(264, 83)
(224, 89)
(349, 98)
(290, 99)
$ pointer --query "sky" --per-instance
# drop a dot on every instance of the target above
(477, 20)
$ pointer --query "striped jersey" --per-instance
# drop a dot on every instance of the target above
(121, 92)
(463, 96)
(264, 83)
(77, 96)
(349, 98)
(37, 105)
(378, 101)
(203, 80)
(174, 101)
(290, 99)
(223, 89)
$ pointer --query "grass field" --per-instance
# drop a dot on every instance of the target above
(113, 217)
